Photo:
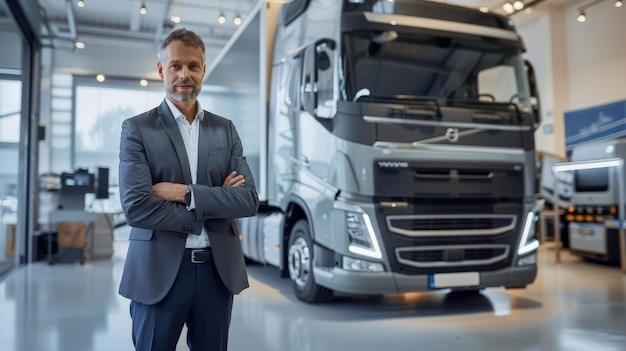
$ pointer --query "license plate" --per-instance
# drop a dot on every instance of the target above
(453, 280)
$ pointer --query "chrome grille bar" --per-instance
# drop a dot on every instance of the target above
(451, 224)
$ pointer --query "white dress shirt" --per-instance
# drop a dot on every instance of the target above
(190, 133)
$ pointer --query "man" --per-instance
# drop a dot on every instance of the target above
(183, 182)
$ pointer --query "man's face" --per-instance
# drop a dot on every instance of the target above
(182, 70)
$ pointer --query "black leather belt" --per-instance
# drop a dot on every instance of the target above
(198, 255)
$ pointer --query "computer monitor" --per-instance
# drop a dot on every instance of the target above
(74, 186)
(102, 188)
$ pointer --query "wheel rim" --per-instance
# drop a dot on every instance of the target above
(299, 262)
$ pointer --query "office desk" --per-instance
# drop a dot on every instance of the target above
(59, 216)
(101, 245)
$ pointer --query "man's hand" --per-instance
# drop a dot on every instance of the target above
(174, 192)
(234, 180)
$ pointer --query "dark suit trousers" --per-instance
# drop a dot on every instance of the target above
(198, 299)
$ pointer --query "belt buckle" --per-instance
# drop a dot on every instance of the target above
(193, 256)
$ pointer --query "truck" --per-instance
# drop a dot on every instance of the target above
(595, 196)
(392, 143)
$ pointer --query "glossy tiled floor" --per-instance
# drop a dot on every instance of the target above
(572, 306)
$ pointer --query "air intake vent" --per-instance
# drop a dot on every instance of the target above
(444, 256)
(451, 225)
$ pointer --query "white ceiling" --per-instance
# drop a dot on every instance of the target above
(120, 41)
(118, 22)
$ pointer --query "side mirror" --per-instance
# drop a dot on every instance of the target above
(322, 61)
(534, 92)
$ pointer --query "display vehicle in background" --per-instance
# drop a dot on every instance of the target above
(594, 198)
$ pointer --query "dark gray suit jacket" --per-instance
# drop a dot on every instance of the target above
(152, 151)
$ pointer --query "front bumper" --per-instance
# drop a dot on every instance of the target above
(361, 283)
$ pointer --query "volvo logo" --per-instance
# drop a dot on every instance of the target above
(393, 164)
(452, 134)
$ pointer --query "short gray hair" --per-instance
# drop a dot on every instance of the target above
(185, 36)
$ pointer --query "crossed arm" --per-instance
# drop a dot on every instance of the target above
(175, 192)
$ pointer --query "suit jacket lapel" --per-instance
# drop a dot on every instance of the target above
(203, 147)
(169, 124)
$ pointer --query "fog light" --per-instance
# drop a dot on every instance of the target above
(528, 260)
(354, 264)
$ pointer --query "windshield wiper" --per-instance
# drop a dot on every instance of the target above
(490, 105)
(432, 106)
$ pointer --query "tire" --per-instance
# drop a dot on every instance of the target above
(300, 266)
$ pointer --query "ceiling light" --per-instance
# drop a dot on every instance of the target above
(143, 83)
(484, 9)
(618, 3)
(508, 8)
(221, 19)
(175, 18)
(528, 10)
(237, 20)
(581, 17)
(79, 45)
(80, 3)
(518, 5)
(100, 78)
(143, 9)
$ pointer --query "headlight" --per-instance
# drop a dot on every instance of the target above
(354, 264)
(528, 242)
(362, 239)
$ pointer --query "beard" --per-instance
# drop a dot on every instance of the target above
(184, 97)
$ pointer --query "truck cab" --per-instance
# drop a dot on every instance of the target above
(400, 149)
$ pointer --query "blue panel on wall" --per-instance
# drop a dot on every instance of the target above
(604, 122)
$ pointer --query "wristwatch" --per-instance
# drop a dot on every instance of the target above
(188, 196)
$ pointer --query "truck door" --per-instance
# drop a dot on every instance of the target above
(284, 131)
(319, 101)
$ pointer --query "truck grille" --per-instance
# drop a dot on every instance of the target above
(452, 255)
(450, 224)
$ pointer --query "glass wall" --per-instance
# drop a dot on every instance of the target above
(10, 110)
(100, 109)
(10, 117)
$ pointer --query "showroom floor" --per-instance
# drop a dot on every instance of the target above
(573, 305)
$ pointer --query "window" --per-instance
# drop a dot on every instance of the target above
(10, 109)
(326, 82)
(10, 114)
(99, 113)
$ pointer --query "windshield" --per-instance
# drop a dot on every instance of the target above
(390, 63)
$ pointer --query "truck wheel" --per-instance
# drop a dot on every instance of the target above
(300, 264)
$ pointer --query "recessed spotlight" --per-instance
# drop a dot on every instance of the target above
(100, 78)
(508, 8)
